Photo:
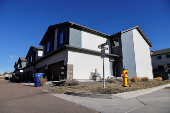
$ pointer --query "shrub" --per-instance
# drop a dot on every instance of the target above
(135, 79)
(43, 81)
(158, 78)
(110, 80)
(73, 82)
(113, 80)
(128, 79)
(145, 79)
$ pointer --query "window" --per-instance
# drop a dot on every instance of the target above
(31, 58)
(63, 36)
(168, 56)
(48, 46)
(159, 57)
(161, 68)
(27, 60)
(115, 42)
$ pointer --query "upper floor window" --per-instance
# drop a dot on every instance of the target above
(159, 57)
(48, 46)
(168, 56)
(115, 42)
(27, 60)
(31, 58)
(63, 36)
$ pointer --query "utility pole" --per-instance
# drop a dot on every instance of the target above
(103, 75)
(103, 56)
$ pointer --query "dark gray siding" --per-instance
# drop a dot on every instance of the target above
(128, 53)
(116, 48)
(75, 37)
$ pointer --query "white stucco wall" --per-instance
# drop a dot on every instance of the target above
(157, 62)
(8, 75)
(53, 59)
(91, 41)
(84, 64)
(142, 56)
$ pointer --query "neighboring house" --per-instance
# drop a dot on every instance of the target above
(16, 66)
(34, 54)
(70, 51)
(8, 74)
(161, 60)
(19, 66)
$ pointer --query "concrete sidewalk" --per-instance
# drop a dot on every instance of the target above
(148, 100)
(103, 105)
(132, 94)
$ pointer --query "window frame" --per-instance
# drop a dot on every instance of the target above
(167, 55)
(159, 57)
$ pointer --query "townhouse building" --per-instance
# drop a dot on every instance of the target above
(161, 60)
(34, 54)
(18, 66)
(70, 51)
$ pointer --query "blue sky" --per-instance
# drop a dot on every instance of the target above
(24, 22)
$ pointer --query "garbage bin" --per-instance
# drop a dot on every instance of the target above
(13, 79)
(37, 78)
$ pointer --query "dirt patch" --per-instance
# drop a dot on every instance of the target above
(167, 88)
(111, 88)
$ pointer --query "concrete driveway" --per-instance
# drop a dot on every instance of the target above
(17, 98)
(155, 102)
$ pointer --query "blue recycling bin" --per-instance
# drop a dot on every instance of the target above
(13, 79)
(37, 78)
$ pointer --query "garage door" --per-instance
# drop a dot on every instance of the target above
(57, 69)
(30, 76)
(24, 77)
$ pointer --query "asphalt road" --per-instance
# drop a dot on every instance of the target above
(17, 98)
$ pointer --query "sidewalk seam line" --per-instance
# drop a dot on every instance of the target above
(134, 109)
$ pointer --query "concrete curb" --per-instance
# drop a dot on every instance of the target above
(131, 94)
(104, 96)
(124, 95)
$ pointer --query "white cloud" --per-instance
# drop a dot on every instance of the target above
(11, 68)
(11, 56)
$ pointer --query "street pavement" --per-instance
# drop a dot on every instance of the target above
(153, 102)
(18, 98)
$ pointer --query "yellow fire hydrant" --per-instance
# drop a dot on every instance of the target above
(125, 72)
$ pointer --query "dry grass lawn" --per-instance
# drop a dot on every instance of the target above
(112, 88)
(3, 77)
